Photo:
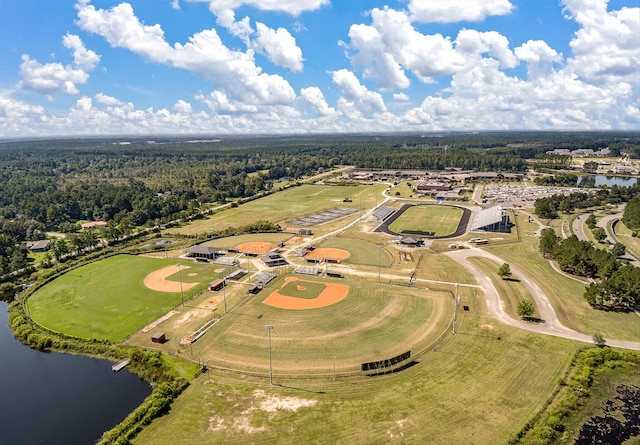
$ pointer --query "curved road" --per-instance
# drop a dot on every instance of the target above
(551, 324)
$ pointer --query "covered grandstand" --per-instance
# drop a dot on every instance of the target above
(493, 219)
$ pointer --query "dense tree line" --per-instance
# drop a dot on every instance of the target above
(559, 180)
(631, 215)
(618, 286)
(55, 184)
(550, 206)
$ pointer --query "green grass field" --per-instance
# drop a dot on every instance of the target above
(566, 294)
(443, 220)
(302, 289)
(372, 323)
(108, 299)
(361, 252)
(286, 205)
(511, 292)
(478, 386)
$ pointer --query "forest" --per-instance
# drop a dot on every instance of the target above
(54, 185)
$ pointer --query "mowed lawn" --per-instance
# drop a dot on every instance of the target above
(442, 220)
(360, 252)
(479, 386)
(372, 322)
(281, 207)
(108, 300)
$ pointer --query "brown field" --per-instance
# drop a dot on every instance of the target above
(255, 247)
(157, 280)
(330, 295)
(327, 252)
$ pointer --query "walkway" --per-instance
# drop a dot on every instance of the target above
(551, 324)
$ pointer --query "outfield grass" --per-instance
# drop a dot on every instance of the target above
(361, 252)
(443, 220)
(302, 289)
(108, 300)
(479, 386)
(372, 323)
(565, 294)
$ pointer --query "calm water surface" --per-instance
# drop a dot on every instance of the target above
(600, 180)
(59, 399)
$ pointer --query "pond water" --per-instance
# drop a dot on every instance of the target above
(53, 398)
(600, 180)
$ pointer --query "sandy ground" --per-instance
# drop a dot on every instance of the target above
(259, 247)
(330, 295)
(327, 252)
(157, 280)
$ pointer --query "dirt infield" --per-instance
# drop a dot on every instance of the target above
(257, 247)
(157, 280)
(327, 252)
(332, 294)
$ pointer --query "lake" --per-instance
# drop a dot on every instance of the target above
(51, 398)
(600, 180)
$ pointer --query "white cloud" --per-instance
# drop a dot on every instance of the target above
(279, 46)
(83, 58)
(401, 96)
(175, 4)
(391, 45)
(122, 29)
(314, 97)
(183, 107)
(606, 47)
(448, 11)
(54, 77)
(239, 28)
(293, 7)
(234, 74)
(539, 57)
(357, 99)
(103, 99)
(50, 78)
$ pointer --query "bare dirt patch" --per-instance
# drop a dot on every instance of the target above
(257, 247)
(157, 280)
(332, 294)
(323, 253)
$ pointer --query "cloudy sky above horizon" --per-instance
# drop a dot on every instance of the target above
(101, 67)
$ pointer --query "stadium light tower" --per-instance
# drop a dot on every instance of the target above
(269, 327)
(180, 278)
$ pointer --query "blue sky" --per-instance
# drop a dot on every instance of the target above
(102, 67)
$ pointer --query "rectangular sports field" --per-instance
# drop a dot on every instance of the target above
(443, 220)
(286, 205)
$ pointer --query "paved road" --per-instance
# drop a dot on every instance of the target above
(578, 226)
(551, 324)
(606, 222)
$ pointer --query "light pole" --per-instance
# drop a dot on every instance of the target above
(269, 327)
(180, 278)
